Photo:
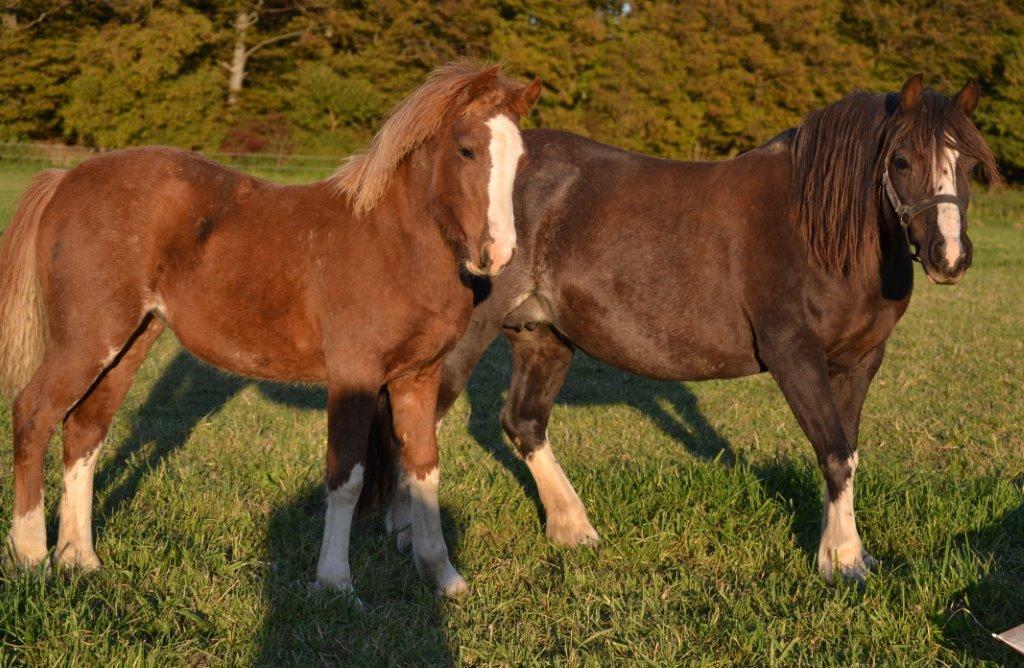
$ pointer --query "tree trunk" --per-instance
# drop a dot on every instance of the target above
(239, 56)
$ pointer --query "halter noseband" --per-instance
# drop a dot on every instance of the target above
(906, 212)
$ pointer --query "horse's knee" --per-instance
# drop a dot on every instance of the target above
(838, 472)
(82, 437)
(34, 417)
(22, 422)
(525, 434)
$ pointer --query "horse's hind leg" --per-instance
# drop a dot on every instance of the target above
(462, 360)
(540, 363)
(87, 334)
(70, 367)
(85, 427)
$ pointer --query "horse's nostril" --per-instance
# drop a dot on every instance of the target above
(485, 258)
(936, 254)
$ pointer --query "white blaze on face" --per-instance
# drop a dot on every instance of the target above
(506, 147)
(948, 214)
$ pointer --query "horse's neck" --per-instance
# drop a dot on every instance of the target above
(407, 209)
(896, 275)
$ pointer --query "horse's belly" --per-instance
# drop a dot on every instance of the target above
(255, 359)
(698, 350)
(683, 364)
(279, 344)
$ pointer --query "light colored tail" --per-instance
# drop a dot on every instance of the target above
(22, 316)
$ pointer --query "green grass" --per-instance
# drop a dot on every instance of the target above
(210, 507)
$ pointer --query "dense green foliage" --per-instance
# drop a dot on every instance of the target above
(682, 79)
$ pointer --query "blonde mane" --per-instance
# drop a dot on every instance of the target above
(364, 176)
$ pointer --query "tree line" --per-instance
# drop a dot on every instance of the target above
(684, 79)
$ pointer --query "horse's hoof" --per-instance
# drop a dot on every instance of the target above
(338, 583)
(83, 560)
(16, 562)
(27, 556)
(447, 580)
(402, 534)
(853, 570)
(320, 586)
(572, 533)
(453, 587)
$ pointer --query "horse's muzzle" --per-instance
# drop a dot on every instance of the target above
(493, 259)
(936, 265)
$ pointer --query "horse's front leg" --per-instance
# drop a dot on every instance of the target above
(413, 406)
(799, 367)
(350, 408)
(850, 388)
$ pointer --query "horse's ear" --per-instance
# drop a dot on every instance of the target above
(912, 93)
(483, 81)
(967, 98)
(527, 97)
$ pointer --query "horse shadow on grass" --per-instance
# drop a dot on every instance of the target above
(399, 619)
(186, 393)
(669, 405)
(994, 603)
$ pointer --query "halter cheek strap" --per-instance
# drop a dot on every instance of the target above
(906, 213)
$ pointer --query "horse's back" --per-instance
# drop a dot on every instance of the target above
(222, 256)
(121, 197)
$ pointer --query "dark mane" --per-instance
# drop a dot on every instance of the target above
(839, 154)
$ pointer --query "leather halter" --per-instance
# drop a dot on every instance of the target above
(906, 212)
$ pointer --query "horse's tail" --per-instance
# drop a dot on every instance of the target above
(381, 451)
(22, 316)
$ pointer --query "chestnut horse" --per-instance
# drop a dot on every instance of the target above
(793, 258)
(355, 281)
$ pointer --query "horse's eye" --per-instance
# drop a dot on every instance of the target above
(900, 163)
(467, 153)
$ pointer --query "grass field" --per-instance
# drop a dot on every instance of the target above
(209, 513)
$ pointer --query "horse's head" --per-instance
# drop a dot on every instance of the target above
(925, 179)
(460, 133)
(475, 161)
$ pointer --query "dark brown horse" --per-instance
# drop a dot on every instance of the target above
(355, 281)
(792, 258)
